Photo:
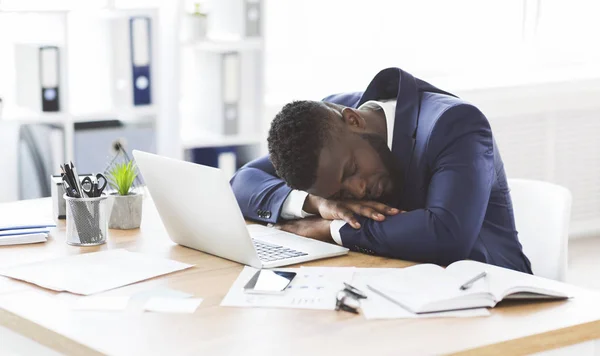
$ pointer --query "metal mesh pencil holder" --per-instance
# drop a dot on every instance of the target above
(87, 220)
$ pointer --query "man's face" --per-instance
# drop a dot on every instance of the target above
(356, 165)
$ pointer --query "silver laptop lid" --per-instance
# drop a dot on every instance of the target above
(197, 207)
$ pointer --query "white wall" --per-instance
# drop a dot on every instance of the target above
(318, 47)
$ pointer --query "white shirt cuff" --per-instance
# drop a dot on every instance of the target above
(335, 227)
(292, 206)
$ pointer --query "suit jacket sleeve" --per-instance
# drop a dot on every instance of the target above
(260, 193)
(460, 154)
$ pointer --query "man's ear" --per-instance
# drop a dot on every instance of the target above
(353, 119)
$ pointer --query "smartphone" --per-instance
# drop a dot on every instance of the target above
(269, 282)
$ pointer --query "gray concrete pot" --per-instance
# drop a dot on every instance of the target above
(126, 211)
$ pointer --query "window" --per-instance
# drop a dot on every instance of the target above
(318, 47)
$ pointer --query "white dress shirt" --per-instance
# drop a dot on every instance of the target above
(292, 206)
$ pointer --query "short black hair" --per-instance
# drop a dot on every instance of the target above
(297, 135)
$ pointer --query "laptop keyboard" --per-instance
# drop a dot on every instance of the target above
(268, 252)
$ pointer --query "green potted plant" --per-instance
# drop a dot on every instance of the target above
(126, 211)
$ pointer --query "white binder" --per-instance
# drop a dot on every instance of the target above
(227, 163)
(235, 19)
(253, 14)
(213, 94)
(38, 77)
(230, 70)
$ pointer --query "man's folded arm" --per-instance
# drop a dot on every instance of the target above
(461, 158)
(263, 196)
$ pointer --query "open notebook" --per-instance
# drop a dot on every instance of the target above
(430, 288)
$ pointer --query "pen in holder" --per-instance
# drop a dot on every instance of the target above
(87, 220)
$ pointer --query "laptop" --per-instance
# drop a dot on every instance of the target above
(198, 209)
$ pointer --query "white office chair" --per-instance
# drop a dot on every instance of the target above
(542, 213)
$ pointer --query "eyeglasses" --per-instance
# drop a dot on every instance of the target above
(348, 299)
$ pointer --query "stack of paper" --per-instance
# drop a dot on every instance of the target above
(26, 232)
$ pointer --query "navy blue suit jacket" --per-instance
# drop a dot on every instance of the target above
(454, 188)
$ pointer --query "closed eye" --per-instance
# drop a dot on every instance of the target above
(351, 170)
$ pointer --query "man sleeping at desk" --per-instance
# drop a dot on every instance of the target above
(402, 170)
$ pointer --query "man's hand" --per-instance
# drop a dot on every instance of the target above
(313, 227)
(345, 209)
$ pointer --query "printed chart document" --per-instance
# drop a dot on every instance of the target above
(429, 288)
(312, 288)
(94, 272)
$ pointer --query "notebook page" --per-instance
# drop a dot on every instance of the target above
(377, 306)
(420, 287)
(502, 281)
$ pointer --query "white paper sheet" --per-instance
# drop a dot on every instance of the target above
(312, 288)
(173, 305)
(160, 292)
(379, 307)
(93, 272)
(102, 303)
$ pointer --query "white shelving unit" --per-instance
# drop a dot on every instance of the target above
(67, 118)
(172, 129)
(194, 133)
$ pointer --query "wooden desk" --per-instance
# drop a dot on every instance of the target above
(43, 316)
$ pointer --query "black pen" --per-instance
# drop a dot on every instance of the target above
(470, 282)
(68, 189)
(69, 177)
(77, 181)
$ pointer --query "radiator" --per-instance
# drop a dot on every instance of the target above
(550, 132)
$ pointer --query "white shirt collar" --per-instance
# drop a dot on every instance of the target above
(389, 110)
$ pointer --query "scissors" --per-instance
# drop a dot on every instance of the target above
(94, 186)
